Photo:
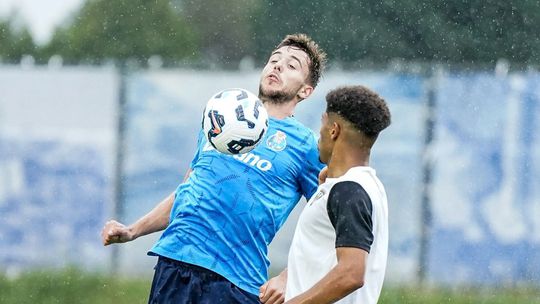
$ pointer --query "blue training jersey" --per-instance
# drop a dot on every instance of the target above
(228, 211)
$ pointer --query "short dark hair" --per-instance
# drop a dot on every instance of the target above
(317, 56)
(363, 108)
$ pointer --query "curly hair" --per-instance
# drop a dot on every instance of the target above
(316, 55)
(363, 108)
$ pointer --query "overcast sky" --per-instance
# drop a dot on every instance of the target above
(41, 16)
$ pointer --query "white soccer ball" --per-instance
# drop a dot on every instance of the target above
(234, 121)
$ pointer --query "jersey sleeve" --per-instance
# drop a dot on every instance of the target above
(200, 144)
(309, 177)
(349, 209)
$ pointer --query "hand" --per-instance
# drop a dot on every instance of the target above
(115, 232)
(273, 291)
(322, 175)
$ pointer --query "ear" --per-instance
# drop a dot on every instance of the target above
(335, 131)
(305, 91)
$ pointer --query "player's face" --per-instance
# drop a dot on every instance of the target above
(284, 76)
(325, 142)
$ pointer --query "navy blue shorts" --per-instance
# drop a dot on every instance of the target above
(181, 283)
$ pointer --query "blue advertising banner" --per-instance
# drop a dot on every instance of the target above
(486, 201)
(58, 147)
(57, 144)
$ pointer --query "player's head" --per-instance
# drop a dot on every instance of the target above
(293, 70)
(355, 115)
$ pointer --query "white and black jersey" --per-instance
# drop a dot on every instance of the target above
(349, 211)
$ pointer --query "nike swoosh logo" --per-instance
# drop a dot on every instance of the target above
(217, 129)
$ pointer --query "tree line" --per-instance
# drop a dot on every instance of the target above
(224, 32)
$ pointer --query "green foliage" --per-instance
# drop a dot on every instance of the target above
(124, 29)
(14, 42)
(224, 28)
(477, 31)
(467, 32)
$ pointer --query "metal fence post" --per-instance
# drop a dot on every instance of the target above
(118, 211)
(427, 172)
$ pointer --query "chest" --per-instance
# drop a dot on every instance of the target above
(280, 154)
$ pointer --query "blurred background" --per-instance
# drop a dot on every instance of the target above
(100, 106)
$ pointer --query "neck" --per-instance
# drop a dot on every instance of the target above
(280, 110)
(349, 157)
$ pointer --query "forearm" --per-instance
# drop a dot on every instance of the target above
(338, 283)
(155, 220)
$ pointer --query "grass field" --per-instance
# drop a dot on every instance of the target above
(507, 295)
(72, 286)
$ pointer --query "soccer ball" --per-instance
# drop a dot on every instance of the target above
(234, 121)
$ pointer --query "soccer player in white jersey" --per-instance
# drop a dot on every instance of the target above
(220, 220)
(339, 249)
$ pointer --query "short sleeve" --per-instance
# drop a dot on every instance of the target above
(309, 177)
(350, 211)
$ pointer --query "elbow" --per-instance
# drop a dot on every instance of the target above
(354, 282)
(357, 283)
(355, 277)
(352, 274)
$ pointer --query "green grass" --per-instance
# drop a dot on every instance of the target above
(74, 286)
(482, 295)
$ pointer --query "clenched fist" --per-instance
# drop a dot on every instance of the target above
(115, 232)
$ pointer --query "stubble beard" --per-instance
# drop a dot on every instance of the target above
(276, 96)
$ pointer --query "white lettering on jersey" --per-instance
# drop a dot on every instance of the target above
(254, 161)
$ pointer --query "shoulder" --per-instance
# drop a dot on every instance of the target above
(346, 198)
(349, 190)
(289, 123)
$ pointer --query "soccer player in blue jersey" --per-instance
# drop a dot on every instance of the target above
(219, 221)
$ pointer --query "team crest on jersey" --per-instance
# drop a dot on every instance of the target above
(317, 196)
(277, 142)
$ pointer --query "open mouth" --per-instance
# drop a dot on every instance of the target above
(273, 78)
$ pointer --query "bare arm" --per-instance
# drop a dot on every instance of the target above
(155, 220)
(346, 277)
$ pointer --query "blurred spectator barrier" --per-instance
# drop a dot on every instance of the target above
(59, 139)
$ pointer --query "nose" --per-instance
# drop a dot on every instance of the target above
(278, 66)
